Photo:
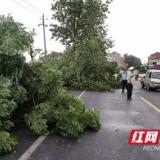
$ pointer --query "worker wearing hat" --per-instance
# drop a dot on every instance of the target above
(130, 83)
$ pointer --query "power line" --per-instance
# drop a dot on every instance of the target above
(26, 8)
(32, 6)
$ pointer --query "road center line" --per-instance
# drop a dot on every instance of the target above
(157, 109)
(37, 143)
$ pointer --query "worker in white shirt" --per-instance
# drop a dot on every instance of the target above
(124, 80)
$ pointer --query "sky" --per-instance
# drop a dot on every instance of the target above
(134, 25)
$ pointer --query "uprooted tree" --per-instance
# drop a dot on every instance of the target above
(33, 94)
(81, 26)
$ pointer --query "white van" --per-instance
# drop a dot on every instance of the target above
(151, 80)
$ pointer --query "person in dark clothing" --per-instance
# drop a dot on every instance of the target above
(129, 93)
(124, 80)
(130, 83)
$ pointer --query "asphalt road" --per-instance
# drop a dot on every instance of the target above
(152, 96)
(25, 140)
(118, 117)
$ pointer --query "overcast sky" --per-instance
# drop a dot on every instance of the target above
(134, 25)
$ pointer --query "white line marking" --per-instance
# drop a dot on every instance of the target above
(32, 148)
(37, 143)
(81, 94)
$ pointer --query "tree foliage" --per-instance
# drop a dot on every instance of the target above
(87, 68)
(53, 108)
(13, 41)
(81, 24)
(33, 92)
(132, 61)
(7, 106)
(13, 37)
(78, 18)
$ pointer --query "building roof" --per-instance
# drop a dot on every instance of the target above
(154, 56)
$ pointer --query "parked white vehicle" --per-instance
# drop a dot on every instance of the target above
(151, 80)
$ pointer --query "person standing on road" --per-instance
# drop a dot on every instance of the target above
(130, 83)
(124, 80)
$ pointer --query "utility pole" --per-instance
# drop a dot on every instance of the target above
(43, 24)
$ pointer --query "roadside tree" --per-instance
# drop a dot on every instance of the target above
(14, 40)
(132, 61)
(81, 25)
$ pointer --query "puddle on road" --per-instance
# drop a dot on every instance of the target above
(121, 127)
(119, 120)
(119, 113)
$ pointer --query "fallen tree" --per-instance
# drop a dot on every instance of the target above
(33, 93)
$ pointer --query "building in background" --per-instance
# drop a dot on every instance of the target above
(116, 57)
(154, 61)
